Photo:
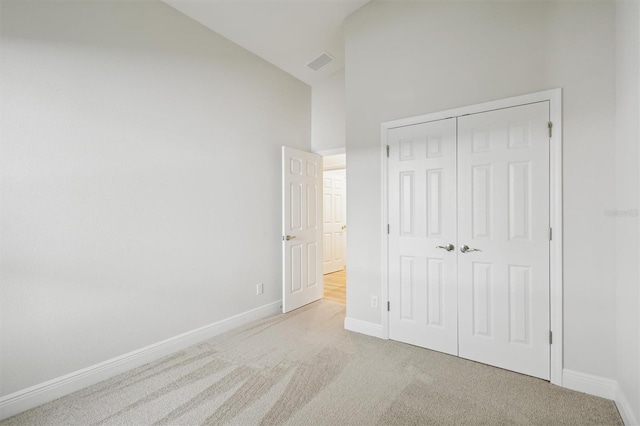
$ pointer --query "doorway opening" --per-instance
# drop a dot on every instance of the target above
(334, 227)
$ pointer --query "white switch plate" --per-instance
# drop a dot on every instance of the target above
(259, 288)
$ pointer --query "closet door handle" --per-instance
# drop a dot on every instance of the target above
(448, 247)
(465, 249)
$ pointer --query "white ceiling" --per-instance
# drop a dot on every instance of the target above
(287, 33)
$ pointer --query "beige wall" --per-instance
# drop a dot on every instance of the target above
(140, 162)
(328, 116)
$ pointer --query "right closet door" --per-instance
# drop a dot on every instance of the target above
(503, 238)
(469, 237)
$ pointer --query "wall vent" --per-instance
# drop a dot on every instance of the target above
(320, 61)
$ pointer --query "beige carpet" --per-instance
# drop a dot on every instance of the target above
(304, 369)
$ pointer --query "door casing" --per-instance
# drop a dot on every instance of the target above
(554, 97)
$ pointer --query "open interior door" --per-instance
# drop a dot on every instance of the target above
(334, 220)
(301, 228)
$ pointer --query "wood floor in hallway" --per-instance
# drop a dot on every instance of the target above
(335, 286)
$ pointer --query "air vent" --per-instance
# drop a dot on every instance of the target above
(320, 61)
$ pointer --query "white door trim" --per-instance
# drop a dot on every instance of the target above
(554, 97)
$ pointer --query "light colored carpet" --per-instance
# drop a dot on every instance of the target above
(303, 368)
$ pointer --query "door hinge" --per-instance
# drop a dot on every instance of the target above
(388, 306)
(550, 126)
(388, 229)
(551, 337)
(387, 151)
(550, 234)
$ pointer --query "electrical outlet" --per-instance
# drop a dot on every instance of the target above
(259, 289)
(374, 301)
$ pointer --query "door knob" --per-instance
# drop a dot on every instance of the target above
(448, 247)
(344, 227)
(289, 237)
(465, 249)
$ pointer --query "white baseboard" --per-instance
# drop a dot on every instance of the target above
(588, 383)
(628, 417)
(363, 327)
(34, 396)
(603, 387)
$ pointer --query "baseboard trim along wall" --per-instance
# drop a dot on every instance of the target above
(602, 387)
(34, 396)
(363, 327)
(588, 383)
(628, 417)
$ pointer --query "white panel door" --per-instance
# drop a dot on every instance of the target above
(422, 225)
(503, 217)
(301, 228)
(334, 220)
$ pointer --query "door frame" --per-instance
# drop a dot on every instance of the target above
(554, 96)
(324, 153)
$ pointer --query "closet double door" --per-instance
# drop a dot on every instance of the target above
(468, 246)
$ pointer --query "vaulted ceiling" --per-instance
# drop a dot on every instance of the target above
(289, 34)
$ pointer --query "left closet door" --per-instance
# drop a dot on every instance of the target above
(422, 235)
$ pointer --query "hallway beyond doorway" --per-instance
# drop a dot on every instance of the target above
(335, 286)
